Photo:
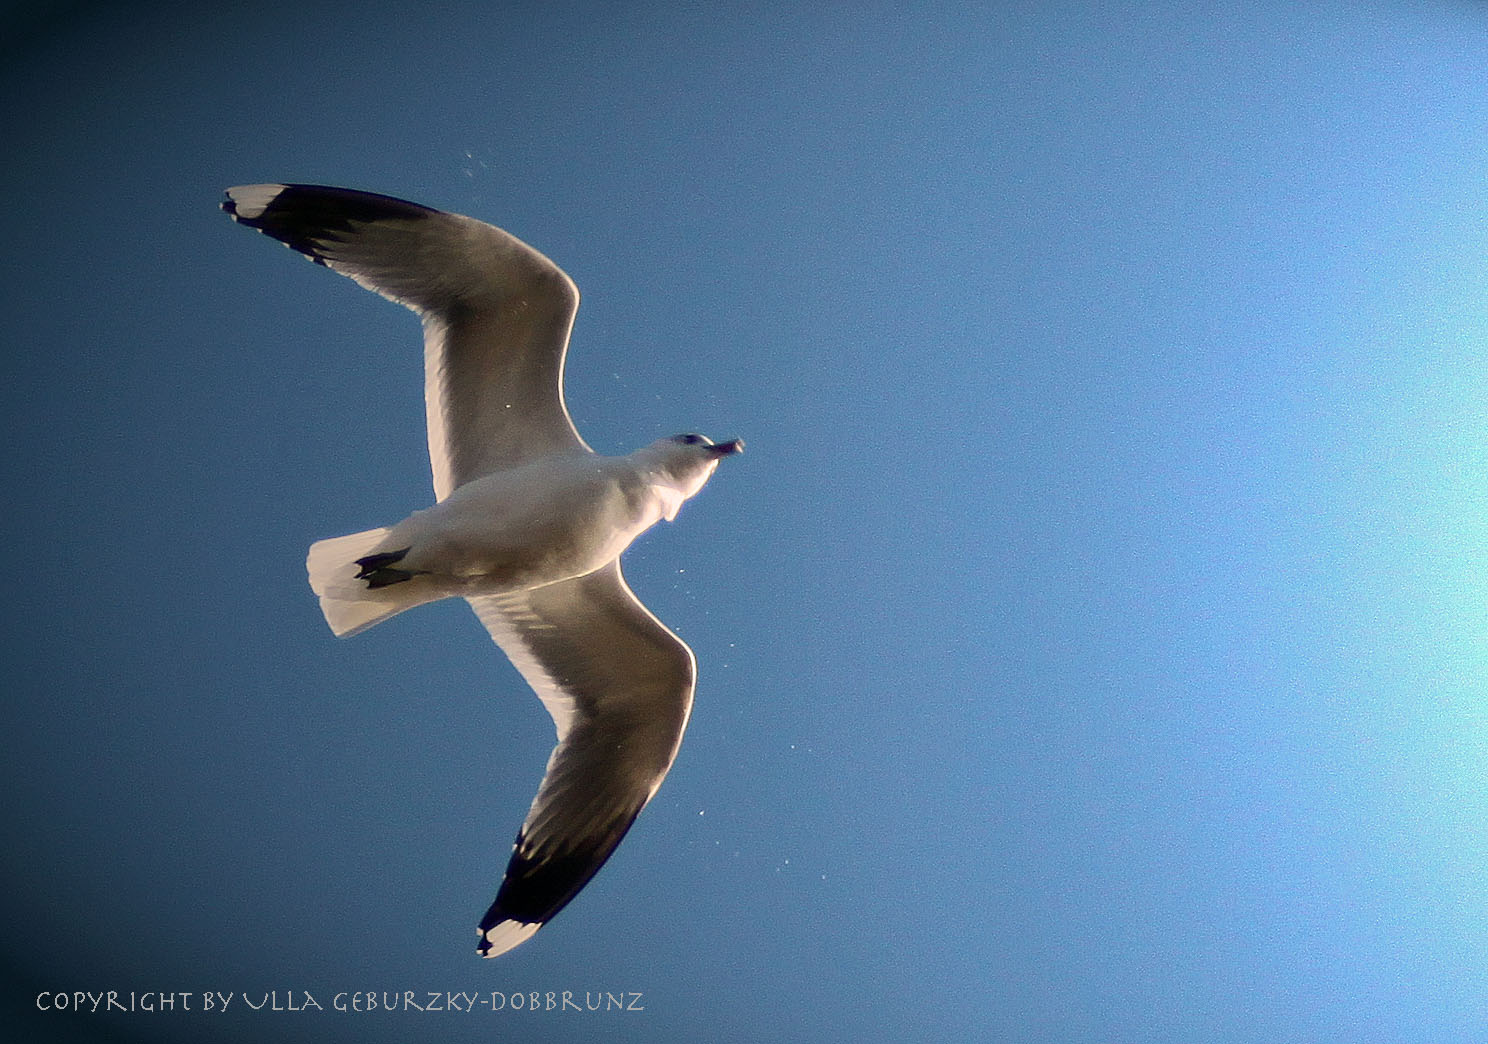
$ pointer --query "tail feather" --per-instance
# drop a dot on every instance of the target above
(349, 603)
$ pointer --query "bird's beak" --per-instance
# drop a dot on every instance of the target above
(726, 449)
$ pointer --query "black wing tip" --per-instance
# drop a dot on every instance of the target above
(250, 203)
(306, 217)
(536, 888)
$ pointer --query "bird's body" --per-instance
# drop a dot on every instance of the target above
(528, 523)
(530, 526)
(510, 531)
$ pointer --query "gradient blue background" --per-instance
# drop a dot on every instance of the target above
(1092, 639)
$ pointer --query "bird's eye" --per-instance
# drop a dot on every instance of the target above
(690, 440)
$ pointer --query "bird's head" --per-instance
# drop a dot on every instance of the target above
(686, 462)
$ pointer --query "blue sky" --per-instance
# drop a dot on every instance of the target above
(1092, 640)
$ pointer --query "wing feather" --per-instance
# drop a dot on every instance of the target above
(619, 686)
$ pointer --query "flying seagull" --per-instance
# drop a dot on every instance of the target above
(528, 523)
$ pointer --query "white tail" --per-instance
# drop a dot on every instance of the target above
(349, 604)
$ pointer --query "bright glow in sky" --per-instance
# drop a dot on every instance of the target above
(1092, 641)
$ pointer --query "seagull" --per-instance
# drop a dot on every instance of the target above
(528, 522)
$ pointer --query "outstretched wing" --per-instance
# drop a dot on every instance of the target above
(496, 315)
(619, 687)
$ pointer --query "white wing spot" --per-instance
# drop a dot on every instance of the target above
(250, 201)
